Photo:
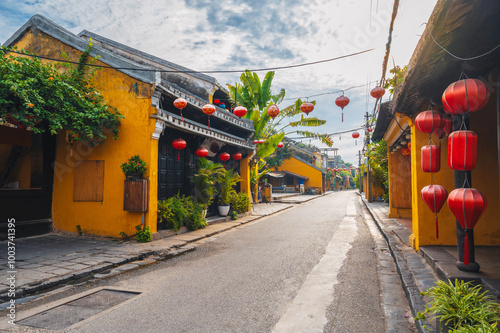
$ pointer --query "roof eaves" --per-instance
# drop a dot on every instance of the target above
(147, 56)
(54, 30)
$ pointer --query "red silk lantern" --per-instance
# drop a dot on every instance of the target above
(464, 96)
(201, 152)
(273, 111)
(208, 109)
(468, 205)
(240, 111)
(224, 157)
(307, 107)
(281, 145)
(255, 142)
(179, 144)
(237, 156)
(440, 133)
(406, 151)
(261, 141)
(377, 92)
(434, 196)
(409, 145)
(429, 121)
(217, 101)
(462, 150)
(370, 129)
(180, 103)
(448, 123)
(355, 135)
(342, 102)
(430, 158)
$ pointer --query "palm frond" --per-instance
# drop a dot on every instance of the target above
(313, 121)
(324, 138)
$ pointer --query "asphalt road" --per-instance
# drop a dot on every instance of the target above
(311, 268)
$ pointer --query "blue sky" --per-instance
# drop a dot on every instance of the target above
(246, 34)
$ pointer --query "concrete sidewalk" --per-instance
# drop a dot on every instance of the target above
(47, 261)
(420, 271)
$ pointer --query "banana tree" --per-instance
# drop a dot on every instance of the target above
(256, 97)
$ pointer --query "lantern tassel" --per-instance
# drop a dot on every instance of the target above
(342, 116)
(181, 116)
(466, 249)
(208, 122)
(437, 228)
(178, 156)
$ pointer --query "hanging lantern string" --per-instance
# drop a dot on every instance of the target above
(460, 58)
(9, 50)
(432, 178)
(329, 93)
(466, 182)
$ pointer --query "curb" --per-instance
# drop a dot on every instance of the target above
(415, 300)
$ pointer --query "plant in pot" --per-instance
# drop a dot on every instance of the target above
(134, 168)
(225, 181)
(204, 180)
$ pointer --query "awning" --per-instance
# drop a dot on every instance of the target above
(288, 173)
(276, 174)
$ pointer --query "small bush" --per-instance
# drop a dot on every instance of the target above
(240, 202)
(462, 306)
(143, 236)
(179, 211)
(196, 220)
(234, 215)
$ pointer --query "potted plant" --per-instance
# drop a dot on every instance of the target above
(204, 180)
(134, 168)
(225, 181)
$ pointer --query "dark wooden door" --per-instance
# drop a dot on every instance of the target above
(171, 171)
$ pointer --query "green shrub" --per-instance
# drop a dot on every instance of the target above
(179, 211)
(234, 215)
(143, 236)
(196, 220)
(462, 306)
(240, 202)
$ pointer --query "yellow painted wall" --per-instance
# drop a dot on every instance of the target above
(294, 165)
(105, 218)
(485, 176)
(424, 231)
(245, 176)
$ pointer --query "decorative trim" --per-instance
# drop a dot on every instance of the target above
(167, 119)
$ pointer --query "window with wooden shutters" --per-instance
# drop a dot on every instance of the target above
(89, 181)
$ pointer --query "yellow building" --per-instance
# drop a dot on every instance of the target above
(298, 171)
(463, 29)
(55, 184)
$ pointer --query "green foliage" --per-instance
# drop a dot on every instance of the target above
(43, 98)
(257, 173)
(240, 202)
(79, 229)
(135, 165)
(234, 215)
(174, 211)
(462, 306)
(395, 82)
(279, 156)
(123, 235)
(226, 180)
(196, 220)
(204, 180)
(179, 211)
(143, 235)
(377, 153)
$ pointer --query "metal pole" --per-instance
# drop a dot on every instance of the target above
(368, 159)
(459, 183)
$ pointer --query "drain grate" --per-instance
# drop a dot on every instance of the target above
(72, 312)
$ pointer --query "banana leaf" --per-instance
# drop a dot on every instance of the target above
(269, 146)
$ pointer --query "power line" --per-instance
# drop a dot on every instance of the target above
(193, 71)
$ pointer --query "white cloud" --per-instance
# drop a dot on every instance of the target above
(239, 34)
